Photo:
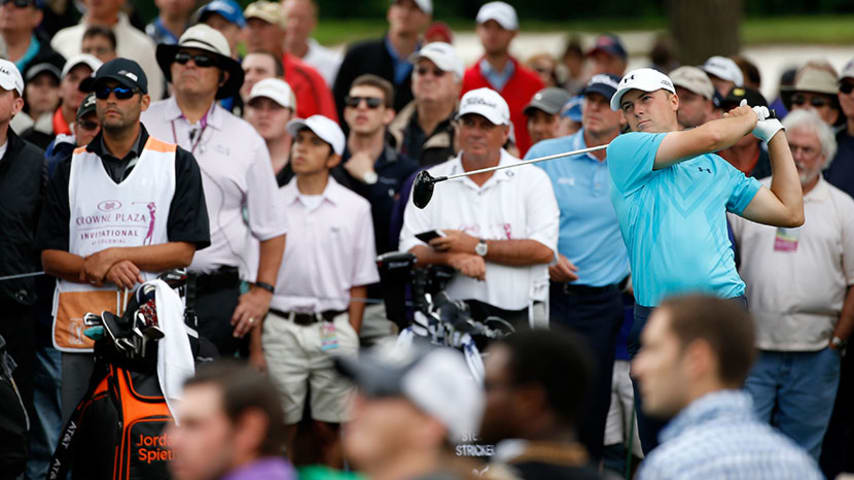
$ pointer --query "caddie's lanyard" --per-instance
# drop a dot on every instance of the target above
(204, 124)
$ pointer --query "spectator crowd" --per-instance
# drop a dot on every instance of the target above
(681, 291)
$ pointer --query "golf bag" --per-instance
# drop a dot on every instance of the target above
(14, 422)
(117, 430)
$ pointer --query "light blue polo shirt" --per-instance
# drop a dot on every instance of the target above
(674, 219)
(589, 233)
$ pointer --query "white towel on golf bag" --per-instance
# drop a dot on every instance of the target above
(174, 355)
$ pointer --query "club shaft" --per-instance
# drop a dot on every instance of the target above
(525, 162)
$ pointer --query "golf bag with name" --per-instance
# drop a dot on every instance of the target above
(117, 430)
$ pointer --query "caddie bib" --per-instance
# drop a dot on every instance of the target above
(105, 214)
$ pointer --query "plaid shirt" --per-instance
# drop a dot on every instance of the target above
(718, 436)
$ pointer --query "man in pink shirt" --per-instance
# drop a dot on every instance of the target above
(317, 308)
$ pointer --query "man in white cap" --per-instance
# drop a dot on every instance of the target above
(841, 171)
(237, 175)
(497, 26)
(387, 57)
(724, 73)
(21, 189)
(317, 307)
(300, 21)
(270, 107)
(500, 227)
(76, 69)
(671, 194)
(412, 402)
(130, 42)
(423, 130)
(696, 96)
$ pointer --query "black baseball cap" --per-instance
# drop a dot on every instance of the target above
(86, 106)
(122, 70)
(737, 94)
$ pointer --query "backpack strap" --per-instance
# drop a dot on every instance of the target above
(62, 457)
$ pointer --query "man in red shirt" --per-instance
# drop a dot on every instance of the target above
(266, 33)
(497, 25)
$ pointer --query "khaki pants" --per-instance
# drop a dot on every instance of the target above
(296, 360)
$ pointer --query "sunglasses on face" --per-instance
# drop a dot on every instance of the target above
(88, 125)
(201, 60)
(122, 93)
(846, 87)
(816, 102)
(371, 102)
(423, 71)
(18, 3)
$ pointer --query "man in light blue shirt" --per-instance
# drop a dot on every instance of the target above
(696, 355)
(671, 195)
(585, 291)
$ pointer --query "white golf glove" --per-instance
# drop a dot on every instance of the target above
(765, 128)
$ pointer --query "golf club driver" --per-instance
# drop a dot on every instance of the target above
(422, 190)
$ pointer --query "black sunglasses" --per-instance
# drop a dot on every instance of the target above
(19, 3)
(122, 93)
(423, 71)
(846, 87)
(816, 102)
(88, 125)
(201, 60)
(372, 102)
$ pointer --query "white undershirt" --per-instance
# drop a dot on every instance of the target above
(311, 201)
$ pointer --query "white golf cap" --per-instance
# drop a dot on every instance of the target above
(724, 68)
(644, 79)
(848, 71)
(82, 59)
(434, 379)
(501, 12)
(487, 103)
(10, 77)
(276, 90)
(443, 55)
(425, 6)
(323, 127)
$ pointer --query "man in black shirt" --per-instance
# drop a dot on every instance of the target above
(536, 384)
(124, 208)
(374, 170)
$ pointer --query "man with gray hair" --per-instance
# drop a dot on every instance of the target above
(799, 290)
(423, 129)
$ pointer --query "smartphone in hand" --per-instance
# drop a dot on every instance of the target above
(429, 235)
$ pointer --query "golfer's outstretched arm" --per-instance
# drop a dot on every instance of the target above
(708, 138)
(783, 204)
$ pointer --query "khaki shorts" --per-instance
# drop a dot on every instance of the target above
(295, 360)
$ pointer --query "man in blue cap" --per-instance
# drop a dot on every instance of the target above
(591, 265)
(225, 16)
(608, 55)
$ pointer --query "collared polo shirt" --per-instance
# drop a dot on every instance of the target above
(330, 249)
(513, 204)
(797, 278)
(237, 174)
(494, 77)
(673, 219)
(589, 232)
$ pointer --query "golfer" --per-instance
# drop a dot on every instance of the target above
(671, 194)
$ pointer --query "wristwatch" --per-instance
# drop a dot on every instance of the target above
(481, 248)
(265, 286)
(370, 178)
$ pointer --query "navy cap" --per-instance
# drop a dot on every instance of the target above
(737, 94)
(126, 72)
(86, 106)
(228, 9)
(603, 84)
(610, 44)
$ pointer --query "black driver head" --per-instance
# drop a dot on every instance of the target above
(422, 189)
